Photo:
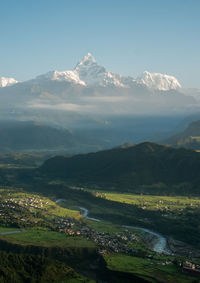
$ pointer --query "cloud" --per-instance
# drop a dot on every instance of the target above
(106, 98)
(125, 104)
(63, 106)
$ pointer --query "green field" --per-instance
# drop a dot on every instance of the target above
(47, 205)
(152, 202)
(36, 202)
(46, 238)
(7, 229)
(149, 269)
(104, 226)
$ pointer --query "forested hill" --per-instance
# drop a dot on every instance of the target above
(142, 164)
(29, 136)
(189, 138)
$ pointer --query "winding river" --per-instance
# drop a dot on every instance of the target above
(159, 245)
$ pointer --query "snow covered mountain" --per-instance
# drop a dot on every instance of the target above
(93, 74)
(86, 73)
(89, 73)
(64, 76)
(159, 81)
(7, 81)
(95, 101)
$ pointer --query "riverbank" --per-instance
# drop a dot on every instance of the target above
(156, 242)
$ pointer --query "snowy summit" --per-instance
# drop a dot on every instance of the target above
(159, 81)
(88, 73)
(7, 81)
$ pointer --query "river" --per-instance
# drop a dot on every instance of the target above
(160, 244)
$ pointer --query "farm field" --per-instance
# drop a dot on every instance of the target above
(8, 229)
(19, 209)
(152, 202)
(43, 237)
(153, 270)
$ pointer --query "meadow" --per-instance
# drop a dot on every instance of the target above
(34, 203)
(153, 270)
(152, 202)
(45, 238)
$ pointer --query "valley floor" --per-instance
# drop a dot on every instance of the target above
(60, 227)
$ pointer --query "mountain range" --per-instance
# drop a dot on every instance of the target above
(88, 73)
(32, 137)
(90, 101)
(91, 90)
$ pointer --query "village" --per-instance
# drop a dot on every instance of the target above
(118, 243)
(190, 267)
(22, 212)
(28, 212)
(25, 212)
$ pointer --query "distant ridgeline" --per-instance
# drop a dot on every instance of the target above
(189, 138)
(146, 167)
(34, 137)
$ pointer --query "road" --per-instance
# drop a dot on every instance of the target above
(12, 232)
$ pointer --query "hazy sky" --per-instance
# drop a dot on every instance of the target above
(126, 36)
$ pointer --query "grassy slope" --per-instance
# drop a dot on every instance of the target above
(49, 207)
(189, 138)
(8, 229)
(46, 238)
(154, 202)
(147, 269)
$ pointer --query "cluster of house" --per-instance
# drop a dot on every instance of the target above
(11, 209)
(167, 262)
(8, 206)
(191, 268)
(31, 202)
(119, 242)
(65, 224)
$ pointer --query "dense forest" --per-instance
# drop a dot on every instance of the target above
(145, 167)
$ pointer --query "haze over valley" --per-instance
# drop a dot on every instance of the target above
(102, 108)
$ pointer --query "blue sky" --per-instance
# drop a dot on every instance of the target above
(126, 36)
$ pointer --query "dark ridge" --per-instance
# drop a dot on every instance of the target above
(144, 164)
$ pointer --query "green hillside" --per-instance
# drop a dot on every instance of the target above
(32, 137)
(189, 138)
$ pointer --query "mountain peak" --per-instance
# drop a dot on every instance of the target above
(88, 59)
(159, 81)
(89, 73)
(7, 81)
